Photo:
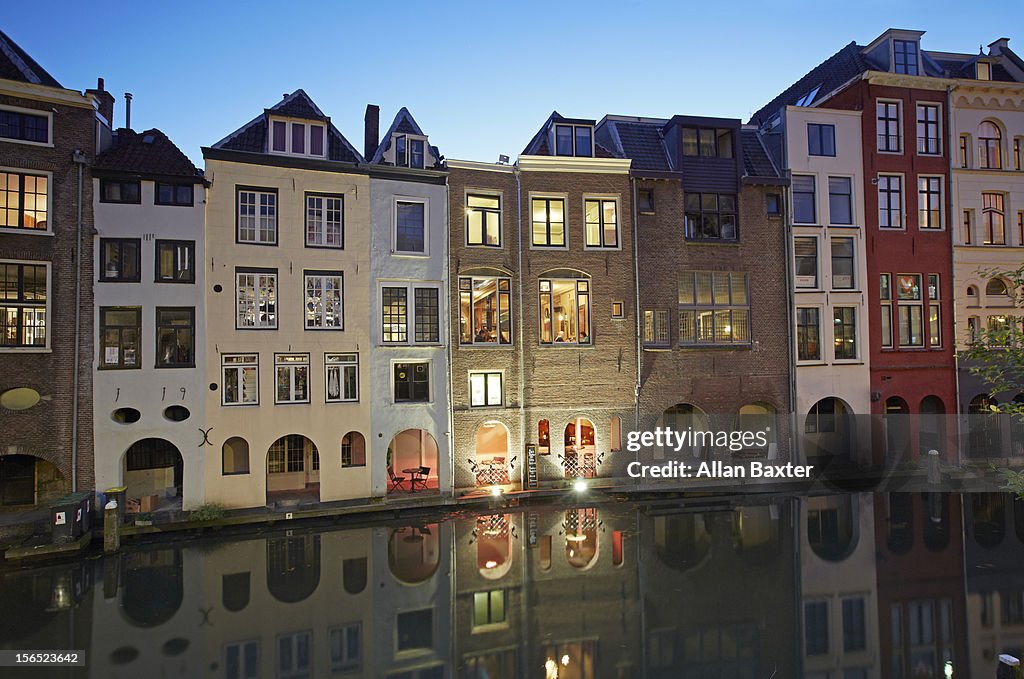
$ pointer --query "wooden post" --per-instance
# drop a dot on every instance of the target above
(1009, 667)
(111, 528)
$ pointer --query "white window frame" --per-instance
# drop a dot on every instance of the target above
(257, 192)
(903, 201)
(343, 362)
(292, 362)
(324, 276)
(853, 263)
(322, 223)
(294, 672)
(249, 361)
(803, 285)
(346, 663)
(48, 231)
(410, 313)
(409, 138)
(796, 336)
(856, 334)
(814, 201)
(601, 199)
(564, 197)
(938, 124)
(271, 274)
(426, 226)
(485, 378)
(307, 136)
(48, 318)
(942, 203)
(48, 114)
(241, 646)
(918, 303)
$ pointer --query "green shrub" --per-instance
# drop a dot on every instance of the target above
(211, 511)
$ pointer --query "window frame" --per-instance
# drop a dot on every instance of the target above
(814, 199)
(696, 307)
(22, 302)
(853, 263)
(250, 361)
(31, 112)
(657, 328)
(928, 125)
(466, 285)
(346, 663)
(690, 228)
(911, 304)
(987, 224)
(716, 134)
(986, 145)
(412, 382)
(410, 200)
(175, 201)
(158, 362)
(602, 245)
(258, 272)
(883, 119)
(257, 191)
(839, 324)
(486, 211)
(101, 344)
(925, 195)
(190, 246)
(289, 137)
(819, 130)
(410, 316)
(486, 376)
(885, 298)
(403, 145)
(575, 140)
(819, 355)
(797, 276)
(323, 275)
(888, 191)
(906, 54)
(548, 199)
(307, 195)
(106, 182)
(104, 277)
(849, 199)
(582, 288)
(22, 174)
(341, 361)
(302, 360)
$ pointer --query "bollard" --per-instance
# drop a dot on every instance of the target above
(934, 478)
(1009, 667)
(111, 528)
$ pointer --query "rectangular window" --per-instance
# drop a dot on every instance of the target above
(548, 222)
(574, 140)
(844, 323)
(805, 250)
(656, 331)
(618, 310)
(929, 202)
(885, 294)
(485, 389)
(842, 264)
(341, 377)
(291, 375)
(175, 194)
(489, 608)
(645, 201)
(905, 56)
(325, 221)
(175, 261)
(416, 153)
(113, 191)
(890, 201)
(240, 379)
(120, 336)
(707, 142)
(887, 121)
(280, 129)
(602, 227)
(119, 259)
(324, 300)
(964, 144)
(808, 334)
(427, 315)
(1016, 154)
(929, 133)
(346, 647)
(286, 455)
(24, 201)
(22, 126)
(256, 298)
(710, 216)
(316, 140)
(934, 312)
(483, 220)
(298, 138)
(410, 226)
(854, 628)
(1020, 228)
(910, 311)
(714, 308)
(175, 337)
(992, 216)
(257, 216)
(821, 139)
(394, 303)
(565, 311)
(24, 289)
(242, 660)
(803, 200)
(816, 627)
(967, 227)
(412, 382)
(840, 200)
(485, 311)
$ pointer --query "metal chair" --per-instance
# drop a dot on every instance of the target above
(396, 481)
(422, 480)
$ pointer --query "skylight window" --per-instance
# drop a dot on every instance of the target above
(808, 98)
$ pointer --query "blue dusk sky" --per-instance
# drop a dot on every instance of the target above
(479, 77)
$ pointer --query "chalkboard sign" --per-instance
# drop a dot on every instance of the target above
(531, 465)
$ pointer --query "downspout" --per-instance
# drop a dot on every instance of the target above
(787, 244)
(449, 414)
(636, 314)
(952, 276)
(80, 160)
(522, 358)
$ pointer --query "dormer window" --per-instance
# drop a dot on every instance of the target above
(707, 142)
(409, 151)
(984, 70)
(574, 140)
(904, 56)
(297, 138)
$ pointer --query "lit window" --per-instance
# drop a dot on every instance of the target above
(929, 202)
(485, 389)
(24, 290)
(483, 220)
(656, 332)
(844, 324)
(548, 222)
(714, 308)
(808, 334)
(485, 310)
(910, 310)
(990, 146)
(602, 228)
(565, 311)
(993, 219)
(23, 201)
(890, 201)
(324, 295)
(488, 608)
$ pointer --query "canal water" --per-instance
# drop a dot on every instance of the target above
(851, 586)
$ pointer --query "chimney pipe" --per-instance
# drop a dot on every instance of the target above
(128, 110)
(371, 131)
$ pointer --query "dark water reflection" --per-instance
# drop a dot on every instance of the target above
(831, 587)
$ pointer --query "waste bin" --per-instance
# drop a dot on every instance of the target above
(85, 503)
(118, 495)
(66, 519)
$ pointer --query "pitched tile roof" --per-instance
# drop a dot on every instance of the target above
(639, 139)
(538, 145)
(403, 123)
(148, 153)
(756, 161)
(16, 64)
(252, 137)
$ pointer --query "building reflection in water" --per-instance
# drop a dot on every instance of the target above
(850, 586)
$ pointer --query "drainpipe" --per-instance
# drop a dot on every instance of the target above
(636, 314)
(449, 414)
(522, 357)
(952, 276)
(787, 228)
(80, 160)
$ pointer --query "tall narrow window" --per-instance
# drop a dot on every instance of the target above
(565, 311)
(964, 145)
(175, 261)
(256, 300)
(808, 334)
(806, 253)
(934, 312)
(325, 220)
(1017, 154)
(416, 155)
(257, 216)
(844, 331)
(656, 332)
(840, 200)
(602, 227)
(967, 227)
(929, 202)
(990, 146)
(240, 379)
(803, 199)
(427, 313)
(485, 310)
(890, 201)
(928, 130)
(993, 219)
(341, 377)
(324, 300)
(888, 126)
(714, 308)
(543, 438)
(394, 323)
(910, 322)
(885, 295)
(291, 375)
(24, 289)
(175, 337)
(24, 201)
(483, 220)
(548, 222)
(120, 335)
(842, 263)
(410, 226)
(905, 56)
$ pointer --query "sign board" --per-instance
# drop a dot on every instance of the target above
(531, 465)
(531, 530)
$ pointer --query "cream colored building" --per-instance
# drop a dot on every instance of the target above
(831, 313)
(288, 336)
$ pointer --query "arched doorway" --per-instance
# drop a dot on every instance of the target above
(28, 480)
(293, 567)
(580, 527)
(293, 469)
(897, 429)
(153, 586)
(933, 425)
(493, 466)
(412, 462)
(829, 431)
(493, 545)
(414, 553)
(580, 459)
(832, 522)
(153, 471)
(758, 417)
(680, 417)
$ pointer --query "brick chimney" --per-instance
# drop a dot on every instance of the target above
(371, 133)
(105, 99)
